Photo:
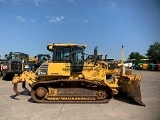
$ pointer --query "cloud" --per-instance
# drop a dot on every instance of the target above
(36, 2)
(2, 1)
(47, 16)
(78, 20)
(20, 18)
(15, 2)
(56, 19)
(12, 2)
(70, 1)
(86, 21)
(112, 4)
(33, 20)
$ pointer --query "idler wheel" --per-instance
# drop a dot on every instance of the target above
(41, 92)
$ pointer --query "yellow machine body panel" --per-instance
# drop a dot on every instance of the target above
(92, 72)
(105, 65)
(58, 69)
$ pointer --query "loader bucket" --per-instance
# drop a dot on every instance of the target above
(130, 85)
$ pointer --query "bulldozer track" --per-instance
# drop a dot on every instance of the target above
(87, 91)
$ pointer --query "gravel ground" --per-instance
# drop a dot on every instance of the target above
(117, 109)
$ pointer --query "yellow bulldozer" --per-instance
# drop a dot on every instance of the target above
(70, 78)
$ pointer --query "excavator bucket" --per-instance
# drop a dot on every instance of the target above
(130, 86)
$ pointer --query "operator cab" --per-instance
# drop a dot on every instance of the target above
(43, 57)
(17, 56)
(68, 53)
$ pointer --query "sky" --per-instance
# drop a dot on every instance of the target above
(30, 25)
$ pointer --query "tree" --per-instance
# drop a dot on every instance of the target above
(153, 52)
(136, 55)
(6, 56)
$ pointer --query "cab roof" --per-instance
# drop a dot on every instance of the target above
(51, 46)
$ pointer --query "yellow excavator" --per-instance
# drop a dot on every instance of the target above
(69, 78)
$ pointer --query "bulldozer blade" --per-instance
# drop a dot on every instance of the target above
(130, 86)
(135, 92)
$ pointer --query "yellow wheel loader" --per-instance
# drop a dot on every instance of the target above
(69, 78)
(15, 63)
(38, 60)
